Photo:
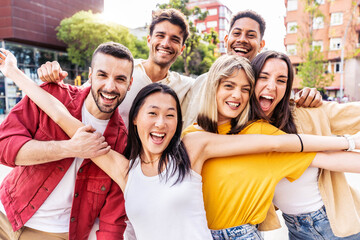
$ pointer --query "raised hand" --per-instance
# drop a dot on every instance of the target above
(8, 61)
(308, 97)
(86, 143)
(51, 72)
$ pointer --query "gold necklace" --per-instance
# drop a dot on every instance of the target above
(148, 162)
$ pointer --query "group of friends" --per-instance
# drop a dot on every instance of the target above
(142, 152)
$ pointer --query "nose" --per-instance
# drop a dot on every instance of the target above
(242, 38)
(160, 121)
(271, 84)
(236, 94)
(110, 85)
(165, 42)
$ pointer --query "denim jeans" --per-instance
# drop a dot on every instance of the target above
(242, 232)
(313, 225)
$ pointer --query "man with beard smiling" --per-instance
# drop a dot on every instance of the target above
(55, 191)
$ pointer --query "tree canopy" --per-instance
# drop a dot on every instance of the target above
(84, 31)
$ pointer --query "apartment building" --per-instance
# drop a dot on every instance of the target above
(218, 18)
(27, 29)
(339, 18)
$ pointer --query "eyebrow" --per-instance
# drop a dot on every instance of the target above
(173, 36)
(250, 30)
(266, 73)
(235, 83)
(156, 107)
(121, 75)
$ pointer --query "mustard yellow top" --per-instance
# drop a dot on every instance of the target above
(239, 190)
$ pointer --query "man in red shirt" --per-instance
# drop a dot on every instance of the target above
(54, 190)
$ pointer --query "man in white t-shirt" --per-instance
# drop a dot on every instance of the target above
(55, 191)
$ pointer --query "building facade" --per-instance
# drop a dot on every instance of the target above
(335, 30)
(28, 30)
(218, 18)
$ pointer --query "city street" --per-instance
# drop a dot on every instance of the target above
(280, 234)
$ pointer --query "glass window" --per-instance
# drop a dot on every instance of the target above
(336, 18)
(320, 1)
(25, 55)
(318, 22)
(317, 44)
(292, 5)
(211, 24)
(212, 12)
(335, 43)
(337, 67)
(291, 27)
(291, 49)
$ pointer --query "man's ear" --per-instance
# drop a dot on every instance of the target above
(90, 73)
(148, 38)
(226, 38)
(262, 45)
(130, 83)
(182, 49)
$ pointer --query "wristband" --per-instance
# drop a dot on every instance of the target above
(351, 142)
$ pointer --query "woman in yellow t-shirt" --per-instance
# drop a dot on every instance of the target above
(154, 146)
(238, 190)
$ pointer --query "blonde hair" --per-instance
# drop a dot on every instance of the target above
(222, 68)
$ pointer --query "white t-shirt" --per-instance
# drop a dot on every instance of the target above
(180, 84)
(294, 198)
(162, 210)
(54, 213)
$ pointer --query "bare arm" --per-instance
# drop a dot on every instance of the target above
(113, 163)
(338, 161)
(210, 145)
(83, 145)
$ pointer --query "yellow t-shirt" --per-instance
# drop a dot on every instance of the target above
(239, 190)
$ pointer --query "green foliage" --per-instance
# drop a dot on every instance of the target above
(194, 41)
(84, 31)
(313, 71)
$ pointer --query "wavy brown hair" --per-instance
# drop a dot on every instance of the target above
(281, 117)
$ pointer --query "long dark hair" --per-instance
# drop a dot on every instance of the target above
(174, 152)
(281, 117)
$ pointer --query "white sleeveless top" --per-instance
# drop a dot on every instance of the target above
(158, 209)
(300, 196)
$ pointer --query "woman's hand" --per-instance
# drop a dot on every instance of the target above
(8, 61)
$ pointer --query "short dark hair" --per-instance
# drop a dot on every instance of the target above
(281, 117)
(116, 50)
(254, 16)
(174, 16)
(175, 154)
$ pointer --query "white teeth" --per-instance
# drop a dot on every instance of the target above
(268, 97)
(233, 104)
(165, 52)
(110, 97)
(158, 134)
(241, 49)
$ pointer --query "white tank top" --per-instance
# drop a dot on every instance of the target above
(158, 209)
(300, 196)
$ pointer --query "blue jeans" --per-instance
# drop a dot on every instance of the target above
(242, 232)
(313, 225)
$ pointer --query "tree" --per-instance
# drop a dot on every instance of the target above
(313, 70)
(84, 31)
(195, 38)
